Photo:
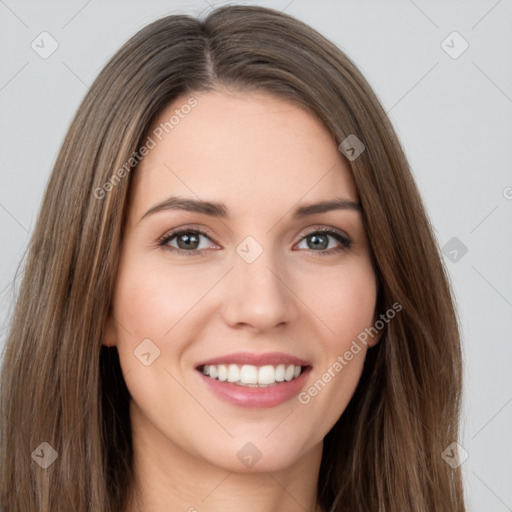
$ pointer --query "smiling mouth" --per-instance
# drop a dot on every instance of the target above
(249, 375)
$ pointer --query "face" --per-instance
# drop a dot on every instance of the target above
(257, 291)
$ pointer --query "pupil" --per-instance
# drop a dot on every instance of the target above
(188, 240)
(315, 238)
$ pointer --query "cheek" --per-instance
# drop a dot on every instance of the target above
(150, 299)
(346, 305)
(345, 302)
(152, 302)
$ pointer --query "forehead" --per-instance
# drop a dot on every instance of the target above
(244, 148)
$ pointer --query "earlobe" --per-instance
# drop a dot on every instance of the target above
(376, 331)
(109, 332)
(373, 340)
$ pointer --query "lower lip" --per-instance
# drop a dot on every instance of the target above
(255, 397)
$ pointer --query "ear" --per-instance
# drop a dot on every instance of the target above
(109, 333)
(377, 329)
(373, 340)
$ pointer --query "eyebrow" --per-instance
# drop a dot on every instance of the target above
(220, 210)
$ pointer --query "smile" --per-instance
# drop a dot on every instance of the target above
(251, 375)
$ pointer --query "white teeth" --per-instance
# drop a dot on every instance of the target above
(280, 373)
(266, 375)
(223, 372)
(288, 374)
(233, 373)
(250, 375)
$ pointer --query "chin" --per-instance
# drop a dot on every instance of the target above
(253, 454)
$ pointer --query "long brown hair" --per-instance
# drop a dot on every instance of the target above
(61, 386)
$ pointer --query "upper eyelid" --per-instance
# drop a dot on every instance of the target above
(202, 231)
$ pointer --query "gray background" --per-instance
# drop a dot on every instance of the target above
(452, 116)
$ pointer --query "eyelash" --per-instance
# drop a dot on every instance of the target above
(346, 243)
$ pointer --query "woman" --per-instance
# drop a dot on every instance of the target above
(233, 298)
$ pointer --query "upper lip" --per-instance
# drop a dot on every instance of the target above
(273, 358)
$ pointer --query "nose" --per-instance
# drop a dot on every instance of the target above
(259, 295)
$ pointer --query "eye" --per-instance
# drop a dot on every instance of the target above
(318, 241)
(186, 241)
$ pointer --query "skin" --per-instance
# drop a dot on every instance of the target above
(262, 157)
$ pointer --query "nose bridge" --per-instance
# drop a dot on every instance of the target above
(257, 292)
